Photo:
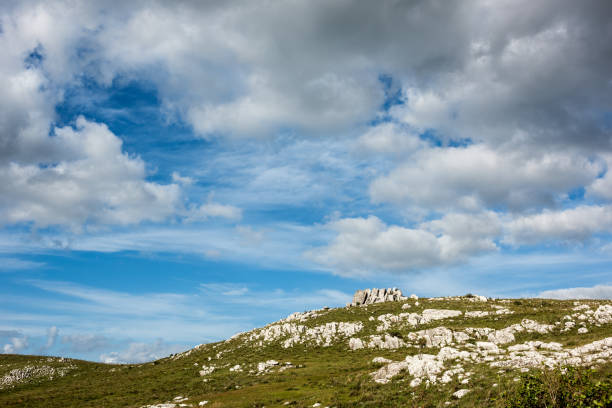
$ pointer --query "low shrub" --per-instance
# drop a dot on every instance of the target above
(565, 387)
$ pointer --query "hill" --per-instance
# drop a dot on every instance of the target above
(458, 351)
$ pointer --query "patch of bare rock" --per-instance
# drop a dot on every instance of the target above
(31, 372)
(432, 368)
(292, 334)
(370, 296)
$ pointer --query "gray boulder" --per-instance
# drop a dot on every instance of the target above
(375, 295)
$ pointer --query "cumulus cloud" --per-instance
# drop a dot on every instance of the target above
(93, 181)
(364, 246)
(478, 176)
(594, 292)
(16, 344)
(511, 114)
(389, 138)
(572, 225)
(264, 68)
(14, 341)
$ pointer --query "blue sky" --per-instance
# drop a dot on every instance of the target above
(172, 174)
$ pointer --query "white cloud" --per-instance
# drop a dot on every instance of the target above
(13, 264)
(93, 181)
(142, 352)
(389, 138)
(17, 344)
(290, 301)
(212, 209)
(86, 342)
(250, 236)
(594, 292)
(364, 246)
(571, 225)
(17, 341)
(52, 333)
(226, 289)
(178, 179)
(475, 176)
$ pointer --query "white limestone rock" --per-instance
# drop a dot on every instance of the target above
(385, 341)
(415, 319)
(503, 336)
(380, 360)
(603, 314)
(355, 343)
(295, 334)
(206, 370)
(437, 337)
(476, 313)
(461, 393)
(370, 296)
(265, 366)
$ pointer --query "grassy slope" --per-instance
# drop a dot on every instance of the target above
(333, 375)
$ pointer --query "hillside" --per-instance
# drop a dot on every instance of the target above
(437, 352)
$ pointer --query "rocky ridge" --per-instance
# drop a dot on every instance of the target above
(428, 343)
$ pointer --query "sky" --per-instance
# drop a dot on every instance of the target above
(172, 173)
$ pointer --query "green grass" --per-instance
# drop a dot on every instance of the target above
(332, 376)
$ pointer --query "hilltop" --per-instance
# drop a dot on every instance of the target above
(383, 349)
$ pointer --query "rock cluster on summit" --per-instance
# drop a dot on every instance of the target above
(369, 296)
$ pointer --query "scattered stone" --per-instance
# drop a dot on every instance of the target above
(355, 343)
(415, 319)
(202, 403)
(295, 334)
(206, 370)
(381, 360)
(461, 393)
(476, 313)
(385, 342)
(30, 372)
(265, 366)
(583, 330)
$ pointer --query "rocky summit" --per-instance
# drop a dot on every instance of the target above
(369, 296)
(382, 350)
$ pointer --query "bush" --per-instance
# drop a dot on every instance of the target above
(566, 387)
(396, 333)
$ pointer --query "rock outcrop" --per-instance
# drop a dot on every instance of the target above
(369, 296)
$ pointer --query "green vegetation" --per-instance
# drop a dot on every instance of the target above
(332, 376)
(566, 387)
